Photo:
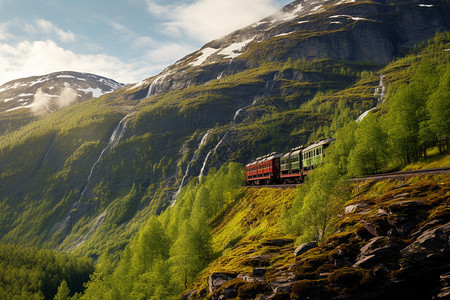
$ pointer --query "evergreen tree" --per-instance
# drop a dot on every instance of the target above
(370, 152)
(438, 105)
(63, 292)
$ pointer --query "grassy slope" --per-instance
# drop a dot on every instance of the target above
(242, 234)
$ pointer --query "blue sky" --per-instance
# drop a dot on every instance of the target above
(127, 40)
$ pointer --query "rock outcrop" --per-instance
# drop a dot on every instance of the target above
(395, 246)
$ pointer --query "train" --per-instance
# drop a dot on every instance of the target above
(286, 168)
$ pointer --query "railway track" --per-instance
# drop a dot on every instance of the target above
(404, 174)
(394, 175)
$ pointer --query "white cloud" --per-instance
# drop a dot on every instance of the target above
(42, 57)
(4, 31)
(205, 20)
(169, 52)
(133, 39)
(49, 28)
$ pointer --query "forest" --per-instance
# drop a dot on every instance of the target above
(169, 250)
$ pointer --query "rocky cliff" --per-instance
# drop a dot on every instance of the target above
(392, 242)
(373, 32)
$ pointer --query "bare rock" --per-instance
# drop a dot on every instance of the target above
(188, 295)
(216, 280)
(304, 248)
(258, 272)
(277, 242)
(352, 208)
(259, 260)
(378, 250)
(432, 241)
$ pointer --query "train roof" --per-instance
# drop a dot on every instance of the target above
(250, 164)
(276, 155)
(319, 143)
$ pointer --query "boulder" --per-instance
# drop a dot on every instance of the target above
(216, 280)
(188, 295)
(432, 241)
(277, 242)
(444, 293)
(258, 272)
(352, 208)
(304, 247)
(379, 250)
(259, 260)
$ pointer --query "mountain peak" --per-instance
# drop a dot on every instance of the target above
(47, 93)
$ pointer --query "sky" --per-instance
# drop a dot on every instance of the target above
(126, 40)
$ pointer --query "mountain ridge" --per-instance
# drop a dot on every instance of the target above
(47, 93)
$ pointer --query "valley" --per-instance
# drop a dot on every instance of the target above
(140, 184)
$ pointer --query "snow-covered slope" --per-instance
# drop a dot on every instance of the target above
(372, 31)
(47, 93)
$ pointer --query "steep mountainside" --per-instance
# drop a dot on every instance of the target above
(84, 178)
(390, 243)
(357, 31)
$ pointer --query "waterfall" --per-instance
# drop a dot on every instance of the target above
(202, 170)
(113, 140)
(96, 224)
(264, 93)
(380, 91)
(380, 94)
(194, 158)
(152, 89)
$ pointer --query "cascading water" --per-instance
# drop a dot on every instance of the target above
(194, 158)
(113, 140)
(152, 89)
(380, 93)
(202, 170)
(267, 88)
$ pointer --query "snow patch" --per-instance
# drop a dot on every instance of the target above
(40, 80)
(19, 107)
(317, 8)
(335, 22)
(205, 53)
(258, 24)
(234, 50)
(8, 99)
(426, 5)
(97, 92)
(447, 50)
(302, 22)
(65, 76)
(345, 1)
(25, 95)
(292, 14)
(350, 17)
(283, 34)
(136, 85)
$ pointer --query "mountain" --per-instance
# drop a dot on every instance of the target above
(353, 31)
(47, 93)
(84, 178)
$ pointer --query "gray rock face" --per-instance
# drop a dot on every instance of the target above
(304, 248)
(216, 280)
(434, 240)
(277, 242)
(379, 250)
(375, 32)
